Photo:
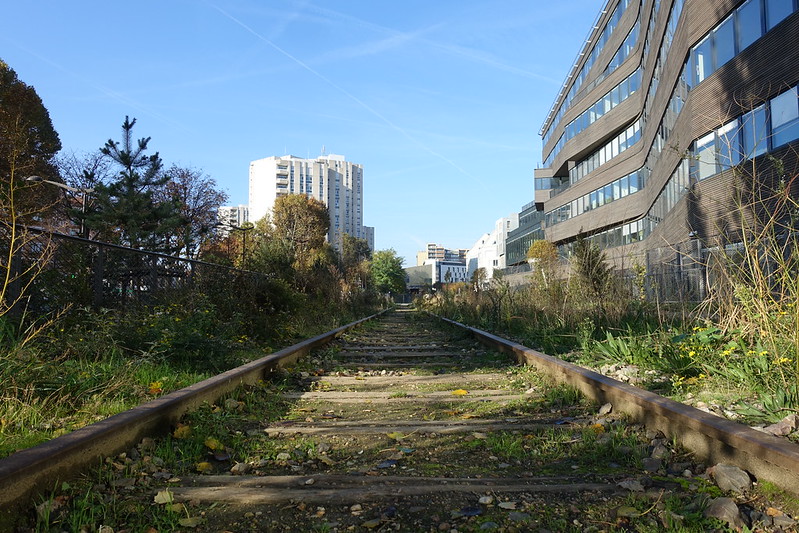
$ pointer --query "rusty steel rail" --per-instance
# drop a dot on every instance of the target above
(711, 438)
(32, 471)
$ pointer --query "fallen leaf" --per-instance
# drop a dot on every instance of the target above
(204, 467)
(182, 432)
(163, 496)
(214, 444)
(507, 505)
(388, 463)
(396, 435)
(627, 512)
(460, 392)
(371, 524)
(193, 521)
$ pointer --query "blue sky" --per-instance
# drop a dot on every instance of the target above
(440, 101)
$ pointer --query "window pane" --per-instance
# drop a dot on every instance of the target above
(776, 10)
(706, 156)
(729, 148)
(616, 190)
(784, 118)
(749, 23)
(625, 186)
(703, 62)
(754, 132)
(784, 109)
(724, 40)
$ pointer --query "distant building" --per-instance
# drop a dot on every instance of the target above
(232, 216)
(435, 251)
(488, 252)
(329, 178)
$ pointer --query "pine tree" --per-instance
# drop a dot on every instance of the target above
(127, 211)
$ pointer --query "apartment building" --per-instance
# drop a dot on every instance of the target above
(330, 179)
(438, 252)
(232, 216)
(654, 136)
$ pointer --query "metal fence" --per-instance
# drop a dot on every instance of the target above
(53, 270)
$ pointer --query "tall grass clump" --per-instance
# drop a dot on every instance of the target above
(753, 276)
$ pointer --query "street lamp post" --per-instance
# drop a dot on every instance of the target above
(243, 230)
(84, 193)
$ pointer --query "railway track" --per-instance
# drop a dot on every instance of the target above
(402, 425)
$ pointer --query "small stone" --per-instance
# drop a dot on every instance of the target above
(632, 485)
(783, 521)
(486, 500)
(651, 464)
(487, 526)
(232, 405)
(371, 524)
(356, 508)
(783, 427)
(310, 481)
(731, 478)
(605, 409)
(507, 505)
(240, 468)
(725, 510)
(443, 526)
(660, 452)
(516, 516)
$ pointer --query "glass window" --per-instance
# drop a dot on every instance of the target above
(594, 200)
(633, 183)
(724, 41)
(608, 193)
(784, 118)
(706, 156)
(729, 147)
(625, 185)
(635, 81)
(754, 132)
(600, 195)
(616, 190)
(750, 26)
(702, 60)
(776, 10)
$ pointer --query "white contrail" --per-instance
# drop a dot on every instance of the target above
(346, 93)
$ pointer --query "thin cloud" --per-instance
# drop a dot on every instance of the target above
(110, 93)
(346, 93)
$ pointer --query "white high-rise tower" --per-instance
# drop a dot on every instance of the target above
(328, 178)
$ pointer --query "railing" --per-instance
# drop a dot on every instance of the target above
(81, 272)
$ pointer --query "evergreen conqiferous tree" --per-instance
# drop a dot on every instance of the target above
(127, 210)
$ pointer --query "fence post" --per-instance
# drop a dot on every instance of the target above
(97, 278)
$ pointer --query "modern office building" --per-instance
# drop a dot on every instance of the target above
(650, 146)
(328, 178)
(489, 251)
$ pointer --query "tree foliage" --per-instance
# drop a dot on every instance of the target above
(28, 144)
(388, 275)
(197, 200)
(128, 212)
(303, 222)
(28, 141)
